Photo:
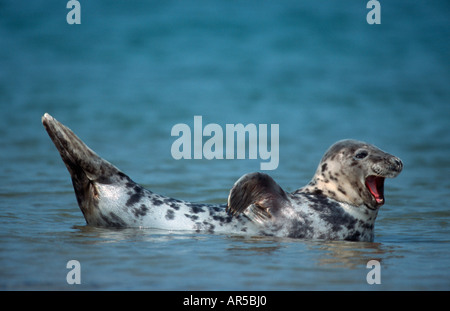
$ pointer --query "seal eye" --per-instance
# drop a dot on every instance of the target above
(361, 154)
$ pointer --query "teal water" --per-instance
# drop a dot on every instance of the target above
(133, 69)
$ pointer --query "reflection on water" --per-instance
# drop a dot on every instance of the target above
(352, 254)
(333, 253)
(95, 235)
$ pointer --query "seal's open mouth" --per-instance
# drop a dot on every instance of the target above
(375, 184)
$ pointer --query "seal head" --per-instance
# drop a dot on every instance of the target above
(353, 172)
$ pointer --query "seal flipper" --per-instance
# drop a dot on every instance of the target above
(84, 165)
(258, 196)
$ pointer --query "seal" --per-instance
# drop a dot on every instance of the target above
(341, 202)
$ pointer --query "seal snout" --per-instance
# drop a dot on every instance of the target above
(389, 168)
(396, 164)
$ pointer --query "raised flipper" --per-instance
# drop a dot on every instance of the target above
(256, 195)
(85, 167)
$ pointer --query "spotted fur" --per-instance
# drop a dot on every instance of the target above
(335, 205)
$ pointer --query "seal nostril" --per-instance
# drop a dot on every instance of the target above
(397, 162)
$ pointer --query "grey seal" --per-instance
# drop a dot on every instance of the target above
(341, 202)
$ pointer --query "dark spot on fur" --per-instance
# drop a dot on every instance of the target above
(300, 229)
(123, 176)
(156, 202)
(173, 203)
(134, 199)
(338, 219)
(217, 209)
(332, 177)
(141, 211)
(223, 219)
(354, 236)
(317, 191)
(324, 167)
(175, 206)
(104, 179)
(209, 227)
(112, 220)
(366, 225)
(192, 217)
(320, 201)
(332, 193)
(170, 215)
(196, 208)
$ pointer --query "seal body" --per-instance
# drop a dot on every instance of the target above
(340, 203)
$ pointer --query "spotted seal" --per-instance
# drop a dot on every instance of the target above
(341, 201)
